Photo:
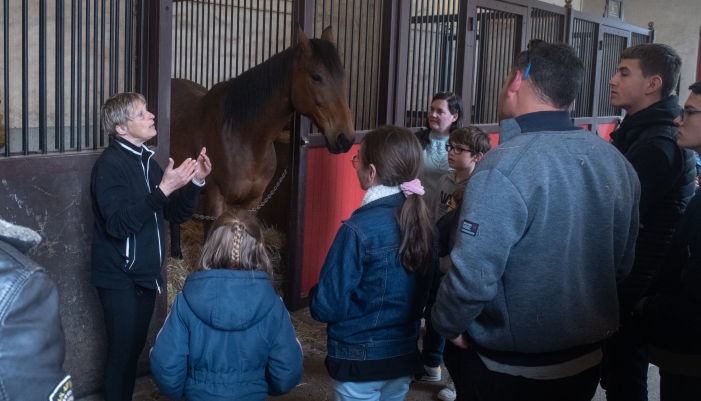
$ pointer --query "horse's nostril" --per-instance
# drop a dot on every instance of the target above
(343, 143)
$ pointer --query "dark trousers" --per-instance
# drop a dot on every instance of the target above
(474, 382)
(127, 317)
(432, 351)
(451, 358)
(624, 370)
(679, 388)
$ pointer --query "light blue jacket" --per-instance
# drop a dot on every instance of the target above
(547, 228)
(228, 337)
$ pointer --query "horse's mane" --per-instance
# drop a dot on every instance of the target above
(248, 93)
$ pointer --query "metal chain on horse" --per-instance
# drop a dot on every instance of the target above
(255, 209)
(267, 198)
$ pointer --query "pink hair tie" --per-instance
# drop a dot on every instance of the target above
(412, 187)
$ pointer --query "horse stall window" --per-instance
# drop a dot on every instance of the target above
(547, 25)
(639, 39)
(613, 46)
(357, 31)
(584, 38)
(56, 77)
(497, 42)
(431, 61)
(216, 40)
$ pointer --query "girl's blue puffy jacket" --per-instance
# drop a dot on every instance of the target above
(227, 337)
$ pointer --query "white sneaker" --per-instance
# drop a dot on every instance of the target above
(432, 374)
(448, 393)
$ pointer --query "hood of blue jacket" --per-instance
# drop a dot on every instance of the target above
(229, 299)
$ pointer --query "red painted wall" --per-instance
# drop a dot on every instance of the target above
(333, 193)
(605, 131)
(495, 139)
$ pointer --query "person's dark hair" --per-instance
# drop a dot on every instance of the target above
(473, 137)
(235, 242)
(117, 111)
(397, 156)
(657, 59)
(555, 72)
(454, 105)
(695, 88)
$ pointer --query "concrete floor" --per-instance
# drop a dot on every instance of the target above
(146, 390)
(316, 384)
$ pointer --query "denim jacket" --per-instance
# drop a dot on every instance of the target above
(372, 305)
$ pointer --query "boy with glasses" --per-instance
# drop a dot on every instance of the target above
(466, 147)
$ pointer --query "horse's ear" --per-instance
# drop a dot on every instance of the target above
(327, 34)
(303, 42)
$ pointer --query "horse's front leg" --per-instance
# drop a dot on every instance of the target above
(214, 206)
(175, 251)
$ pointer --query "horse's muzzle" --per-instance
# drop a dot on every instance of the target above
(343, 145)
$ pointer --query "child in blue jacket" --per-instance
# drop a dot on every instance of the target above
(228, 335)
(375, 282)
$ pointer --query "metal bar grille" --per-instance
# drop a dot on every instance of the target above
(495, 47)
(49, 110)
(359, 48)
(613, 46)
(639, 39)
(216, 40)
(431, 55)
(547, 25)
(584, 39)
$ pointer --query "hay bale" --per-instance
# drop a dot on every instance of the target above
(191, 242)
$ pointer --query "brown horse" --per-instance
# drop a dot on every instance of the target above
(237, 120)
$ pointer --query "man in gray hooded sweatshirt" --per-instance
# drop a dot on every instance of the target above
(547, 228)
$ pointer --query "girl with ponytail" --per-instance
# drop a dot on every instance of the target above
(378, 273)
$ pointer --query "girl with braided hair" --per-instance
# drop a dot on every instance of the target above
(228, 335)
(376, 279)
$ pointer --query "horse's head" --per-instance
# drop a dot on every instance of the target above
(318, 90)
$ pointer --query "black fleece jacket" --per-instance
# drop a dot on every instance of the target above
(648, 139)
(128, 244)
(671, 312)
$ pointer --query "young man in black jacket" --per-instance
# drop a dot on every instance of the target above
(643, 86)
(670, 312)
(131, 197)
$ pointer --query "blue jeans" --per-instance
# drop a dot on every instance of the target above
(385, 390)
(433, 344)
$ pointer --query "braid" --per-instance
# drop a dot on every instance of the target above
(236, 249)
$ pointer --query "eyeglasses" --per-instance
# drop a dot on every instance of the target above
(531, 45)
(687, 112)
(458, 150)
(354, 162)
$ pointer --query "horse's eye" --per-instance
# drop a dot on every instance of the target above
(316, 77)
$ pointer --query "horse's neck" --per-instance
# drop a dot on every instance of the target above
(260, 133)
